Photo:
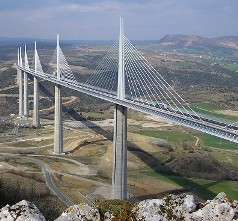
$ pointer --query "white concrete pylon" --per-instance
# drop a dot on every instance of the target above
(18, 63)
(121, 66)
(26, 59)
(35, 58)
(58, 132)
(20, 58)
(119, 170)
(58, 62)
(36, 119)
(20, 83)
(26, 103)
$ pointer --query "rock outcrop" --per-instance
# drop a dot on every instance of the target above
(22, 211)
(220, 208)
(184, 207)
(81, 211)
(173, 207)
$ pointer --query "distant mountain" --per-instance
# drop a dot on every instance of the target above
(227, 44)
(185, 40)
(229, 41)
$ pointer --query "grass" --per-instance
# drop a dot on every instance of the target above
(210, 109)
(231, 67)
(229, 187)
(177, 137)
(182, 65)
(121, 210)
(161, 156)
(172, 136)
(205, 189)
(212, 141)
(31, 143)
(226, 157)
(24, 144)
(209, 106)
(164, 178)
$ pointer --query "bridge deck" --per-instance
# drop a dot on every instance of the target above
(214, 127)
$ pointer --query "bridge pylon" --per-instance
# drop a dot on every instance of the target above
(20, 83)
(119, 172)
(36, 118)
(26, 102)
(58, 132)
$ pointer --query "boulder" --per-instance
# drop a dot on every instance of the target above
(148, 210)
(172, 206)
(220, 208)
(82, 212)
(22, 211)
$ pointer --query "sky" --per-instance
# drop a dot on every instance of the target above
(99, 19)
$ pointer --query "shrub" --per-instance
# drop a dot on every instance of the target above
(120, 209)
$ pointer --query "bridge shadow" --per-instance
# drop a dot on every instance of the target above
(159, 167)
(94, 127)
(51, 96)
(187, 185)
(71, 112)
(74, 114)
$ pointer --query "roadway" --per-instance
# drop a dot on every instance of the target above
(47, 175)
(220, 129)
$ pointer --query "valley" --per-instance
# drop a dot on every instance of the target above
(162, 157)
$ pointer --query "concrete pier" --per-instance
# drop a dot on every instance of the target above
(58, 136)
(26, 103)
(36, 118)
(58, 132)
(119, 172)
(20, 83)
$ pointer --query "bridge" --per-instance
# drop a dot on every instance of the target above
(126, 79)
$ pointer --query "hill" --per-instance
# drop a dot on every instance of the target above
(185, 40)
(228, 41)
(228, 44)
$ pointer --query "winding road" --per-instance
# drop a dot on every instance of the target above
(47, 174)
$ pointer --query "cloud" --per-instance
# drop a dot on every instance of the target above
(97, 7)
(84, 19)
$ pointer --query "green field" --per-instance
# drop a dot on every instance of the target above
(231, 67)
(172, 136)
(24, 144)
(205, 189)
(212, 141)
(30, 143)
(208, 106)
(182, 65)
(210, 109)
(177, 137)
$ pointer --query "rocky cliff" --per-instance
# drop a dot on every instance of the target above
(173, 207)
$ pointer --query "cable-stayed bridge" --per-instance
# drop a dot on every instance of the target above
(123, 77)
